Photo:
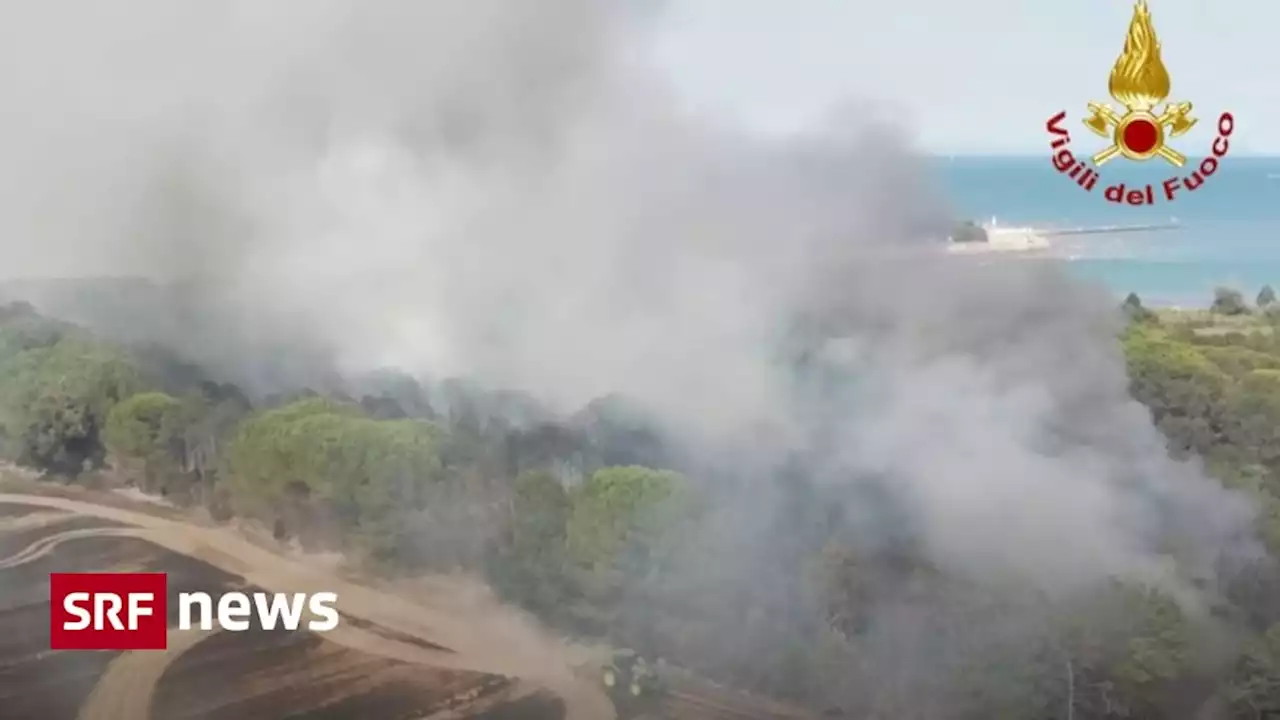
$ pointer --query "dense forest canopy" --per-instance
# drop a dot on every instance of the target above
(605, 524)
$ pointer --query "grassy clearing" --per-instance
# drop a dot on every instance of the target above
(1206, 323)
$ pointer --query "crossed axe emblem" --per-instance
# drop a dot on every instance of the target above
(1151, 136)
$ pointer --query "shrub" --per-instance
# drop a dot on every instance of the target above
(1228, 302)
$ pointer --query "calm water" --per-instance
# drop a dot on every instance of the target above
(1230, 234)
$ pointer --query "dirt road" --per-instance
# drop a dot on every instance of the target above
(125, 690)
(481, 637)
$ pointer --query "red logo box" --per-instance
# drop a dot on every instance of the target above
(108, 611)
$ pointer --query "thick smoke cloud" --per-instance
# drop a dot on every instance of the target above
(503, 190)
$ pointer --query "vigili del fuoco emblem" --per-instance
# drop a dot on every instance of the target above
(1140, 83)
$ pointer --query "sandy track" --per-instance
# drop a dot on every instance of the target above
(125, 690)
(33, 520)
(485, 639)
(45, 545)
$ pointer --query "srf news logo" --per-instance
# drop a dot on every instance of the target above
(130, 611)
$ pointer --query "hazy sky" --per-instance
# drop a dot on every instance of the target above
(974, 76)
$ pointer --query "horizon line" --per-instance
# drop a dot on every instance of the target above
(1038, 154)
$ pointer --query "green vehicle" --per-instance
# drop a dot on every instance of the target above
(632, 684)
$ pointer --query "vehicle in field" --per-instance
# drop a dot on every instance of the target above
(632, 683)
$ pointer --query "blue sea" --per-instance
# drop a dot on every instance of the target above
(1229, 234)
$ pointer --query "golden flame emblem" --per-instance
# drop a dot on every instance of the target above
(1140, 82)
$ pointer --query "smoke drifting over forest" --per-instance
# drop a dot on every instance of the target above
(502, 190)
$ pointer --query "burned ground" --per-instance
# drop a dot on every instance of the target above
(258, 674)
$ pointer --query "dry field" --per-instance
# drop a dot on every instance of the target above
(432, 654)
